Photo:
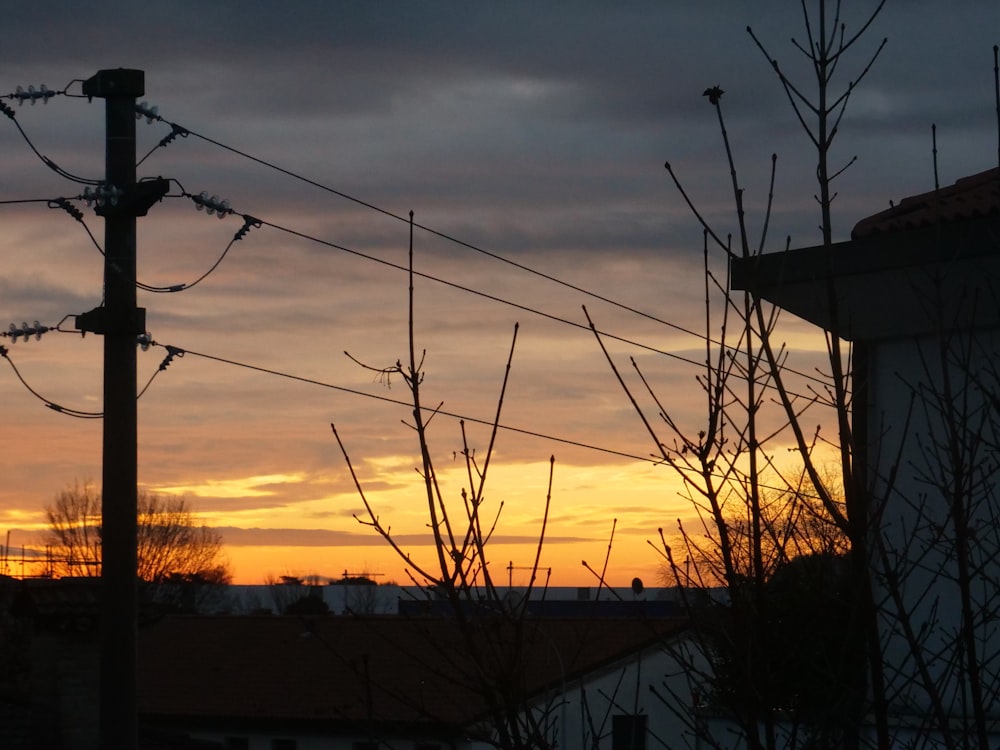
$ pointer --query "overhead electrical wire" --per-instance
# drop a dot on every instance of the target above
(24, 200)
(26, 332)
(174, 351)
(146, 342)
(151, 115)
(222, 209)
(177, 352)
(515, 305)
(44, 94)
(478, 293)
(77, 214)
(5, 354)
(399, 402)
(250, 221)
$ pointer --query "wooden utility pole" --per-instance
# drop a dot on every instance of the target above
(119, 200)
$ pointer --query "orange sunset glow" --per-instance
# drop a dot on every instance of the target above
(530, 151)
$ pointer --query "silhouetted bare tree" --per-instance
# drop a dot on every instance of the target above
(172, 546)
(764, 522)
(493, 639)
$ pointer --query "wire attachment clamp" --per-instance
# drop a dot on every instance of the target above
(111, 199)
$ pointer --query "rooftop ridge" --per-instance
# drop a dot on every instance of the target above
(970, 197)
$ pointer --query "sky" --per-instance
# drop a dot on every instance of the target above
(529, 141)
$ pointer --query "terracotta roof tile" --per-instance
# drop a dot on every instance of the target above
(969, 198)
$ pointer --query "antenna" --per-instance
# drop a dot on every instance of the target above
(511, 567)
(934, 152)
(996, 92)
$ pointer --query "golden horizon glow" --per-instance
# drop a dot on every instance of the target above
(316, 533)
(229, 488)
(320, 535)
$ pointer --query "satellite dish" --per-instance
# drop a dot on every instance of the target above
(637, 586)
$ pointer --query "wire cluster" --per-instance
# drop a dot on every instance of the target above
(102, 194)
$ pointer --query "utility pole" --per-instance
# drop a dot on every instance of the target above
(120, 200)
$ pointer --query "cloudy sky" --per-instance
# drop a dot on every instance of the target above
(529, 140)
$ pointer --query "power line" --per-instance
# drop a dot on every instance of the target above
(249, 221)
(399, 402)
(26, 332)
(525, 308)
(151, 115)
(5, 109)
(4, 353)
(176, 352)
(25, 200)
(651, 459)
(478, 293)
(222, 209)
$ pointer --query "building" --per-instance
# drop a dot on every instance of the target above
(412, 683)
(342, 682)
(917, 293)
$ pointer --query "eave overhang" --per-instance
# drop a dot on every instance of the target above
(887, 285)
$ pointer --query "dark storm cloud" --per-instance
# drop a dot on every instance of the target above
(531, 105)
(625, 63)
(347, 47)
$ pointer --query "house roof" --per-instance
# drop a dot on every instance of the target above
(389, 669)
(931, 261)
(58, 602)
(970, 197)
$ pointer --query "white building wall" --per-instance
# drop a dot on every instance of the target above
(581, 712)
(933, 421)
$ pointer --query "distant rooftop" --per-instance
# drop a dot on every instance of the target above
(355, 669)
